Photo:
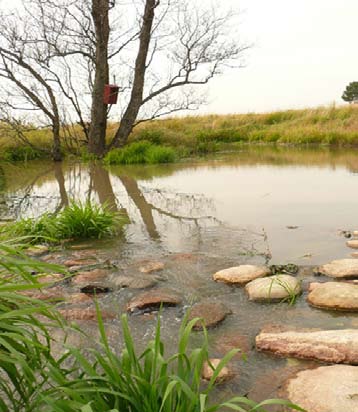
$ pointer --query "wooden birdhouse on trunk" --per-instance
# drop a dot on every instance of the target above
(110, 94)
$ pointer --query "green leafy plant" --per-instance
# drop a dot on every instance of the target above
(145, 382)
(76, 221)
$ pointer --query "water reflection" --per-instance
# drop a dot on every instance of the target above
(261, 190)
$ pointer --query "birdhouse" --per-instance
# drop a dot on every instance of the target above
(110, 94)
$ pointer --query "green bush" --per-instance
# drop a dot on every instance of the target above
(154, 136)
(22, 153)
(140, 152)
(76, 221)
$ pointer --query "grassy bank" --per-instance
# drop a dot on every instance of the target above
(198, 135)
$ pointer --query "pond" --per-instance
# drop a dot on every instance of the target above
(261, 205)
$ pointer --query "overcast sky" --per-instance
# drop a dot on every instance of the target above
(305, 53)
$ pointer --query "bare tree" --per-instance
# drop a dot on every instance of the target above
(159, 52)
(28, 87)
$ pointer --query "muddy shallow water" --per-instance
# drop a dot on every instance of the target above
(260, 205)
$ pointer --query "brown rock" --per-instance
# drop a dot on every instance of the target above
(273, 288)
(150, 266)
(212, 313)
(240, 275)
(49, 277)
(342, 268)
(335, 295)
(184, 257)
(79, 298)
(90, 276)
(85, 314)
(80, 262)
(232, 340)
(137, 282)
(333, 346)
(55, 294)
(325, 389)
(208, 371)
(352, 243)
(153, 299)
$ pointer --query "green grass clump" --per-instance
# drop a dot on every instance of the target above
(76, 221)
(140, 153)
(22, 153)
(150, 381)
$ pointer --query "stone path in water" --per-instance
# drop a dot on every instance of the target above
(337, 290)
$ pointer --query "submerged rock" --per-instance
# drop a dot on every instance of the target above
(208, 371)
(212, 313)
(240, 275)
(85, 314)
(325, 389)
(90, 276)
(137, 282)
(54, 294)
(49, 277)
(150, 266)
(334, 295)
(80, 262)
(333, 346)
(341, 268)
(233, 340)
(154, 299)
(276, 287)
(37, 250)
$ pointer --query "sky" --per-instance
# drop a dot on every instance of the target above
(304, 54)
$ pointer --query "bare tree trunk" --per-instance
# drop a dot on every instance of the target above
(56, 149)
(97, 132)
(131, 113)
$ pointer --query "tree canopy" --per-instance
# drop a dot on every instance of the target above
(351, 93)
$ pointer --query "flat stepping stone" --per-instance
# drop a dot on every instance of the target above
(85, 314)
(341, 268)
(211, 313)
(154, 299)
(208, 371)
(240, 275)
(335, 296)
(273, 288)
(325, 389)
(137, 282)
(352, 243)
(333, 346)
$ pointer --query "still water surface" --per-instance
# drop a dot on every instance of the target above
(260, 205)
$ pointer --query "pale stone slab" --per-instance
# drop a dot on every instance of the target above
(208, 371)
(341, 268)
(325, 389)
(333, 346)
(335, 296)
(240, 275)
(273, 288)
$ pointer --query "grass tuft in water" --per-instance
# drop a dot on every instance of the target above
(141, 153)
(76, 221)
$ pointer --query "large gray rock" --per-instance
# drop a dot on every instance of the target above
(240, 275)
(274, 288)
(335, 296)
(333, 346)
(325, 389)
(341, 268)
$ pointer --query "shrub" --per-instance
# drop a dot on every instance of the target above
(140, 152)
(22, 153)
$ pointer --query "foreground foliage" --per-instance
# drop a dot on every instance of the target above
(76, 221)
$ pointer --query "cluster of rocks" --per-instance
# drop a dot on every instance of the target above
(261, 284)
